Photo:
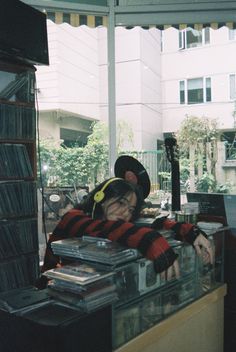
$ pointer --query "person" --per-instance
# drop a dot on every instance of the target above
(110, 211)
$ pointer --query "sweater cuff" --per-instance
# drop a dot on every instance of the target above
(159, 223)
(193, 233)
(165, 260)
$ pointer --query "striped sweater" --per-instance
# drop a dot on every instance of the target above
(148, 241)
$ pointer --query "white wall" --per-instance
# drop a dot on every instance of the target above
(138, 93)
(76, 80)
(147, 81)
(151, 95)
(71, 82)
(216, 60)
(47, 76)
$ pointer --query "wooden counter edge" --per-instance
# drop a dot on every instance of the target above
(150, 336)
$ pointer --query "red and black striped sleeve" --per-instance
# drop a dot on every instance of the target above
(183, 231)
(147, 240)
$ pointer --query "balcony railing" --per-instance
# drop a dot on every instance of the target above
(230, 152)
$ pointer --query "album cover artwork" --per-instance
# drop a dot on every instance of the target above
(80, 273)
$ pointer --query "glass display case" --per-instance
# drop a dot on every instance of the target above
(146, 298)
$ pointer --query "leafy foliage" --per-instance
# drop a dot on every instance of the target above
(194, 130)
(62, 166)
(80, 166)
(197, 138)
(206, 183)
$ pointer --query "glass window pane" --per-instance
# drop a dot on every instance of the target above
(208, 89)
(208, 94)
(195, 83)
(208, 82)
(231, 34)
(98, 21)
(207, 35)
(181, 42)
(51, 16)
(232, 86)
(195, 96)
(195, 91)
(181, 92)
(194, 38)
(83, 19)
(66, 17)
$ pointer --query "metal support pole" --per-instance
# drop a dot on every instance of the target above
(111, 87)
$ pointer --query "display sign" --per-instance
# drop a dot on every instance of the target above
(216, 204)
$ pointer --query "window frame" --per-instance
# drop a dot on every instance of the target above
(183, 44)
(232, 95)
(232, 34)
(183, 87)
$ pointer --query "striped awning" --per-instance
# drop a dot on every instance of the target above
(145, 13)
(176, 13)
(77, 19)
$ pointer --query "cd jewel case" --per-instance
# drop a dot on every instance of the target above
(82, 285)
(80, 273)
(94, 249)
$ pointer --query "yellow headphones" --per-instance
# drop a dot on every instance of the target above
(100, 195)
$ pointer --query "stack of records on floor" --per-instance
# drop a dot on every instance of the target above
(82, 285)
(94, 249)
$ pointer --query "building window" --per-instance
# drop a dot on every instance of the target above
(182, 92)
(72, 138)
(232, 34)
(66, 18)
(83, 20)
(192, 38)
(98, 21)
(195, 91)
(51, 16)
(232, 87)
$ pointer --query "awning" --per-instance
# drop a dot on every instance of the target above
(77, 19)
(176, 13)
(145, 13)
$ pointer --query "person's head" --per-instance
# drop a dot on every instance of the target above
(114, 199)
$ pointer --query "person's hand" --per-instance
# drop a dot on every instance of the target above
(204, 249)
(173, 272)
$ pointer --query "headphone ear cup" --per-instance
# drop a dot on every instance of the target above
(99, 196)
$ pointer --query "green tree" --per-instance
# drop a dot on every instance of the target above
(88, 165)
(197, 140)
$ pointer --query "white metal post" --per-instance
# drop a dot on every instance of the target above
(111, 87)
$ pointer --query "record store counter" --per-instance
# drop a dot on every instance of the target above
(56, 328)
(138, 311)
(197, 327)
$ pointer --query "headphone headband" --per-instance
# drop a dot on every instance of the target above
(100, 195)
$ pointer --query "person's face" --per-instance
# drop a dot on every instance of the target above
(120, 208)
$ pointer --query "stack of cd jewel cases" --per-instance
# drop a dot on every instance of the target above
(93, 249)
(82, 285)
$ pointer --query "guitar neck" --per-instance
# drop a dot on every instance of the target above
(175, 186)
(172, 155)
